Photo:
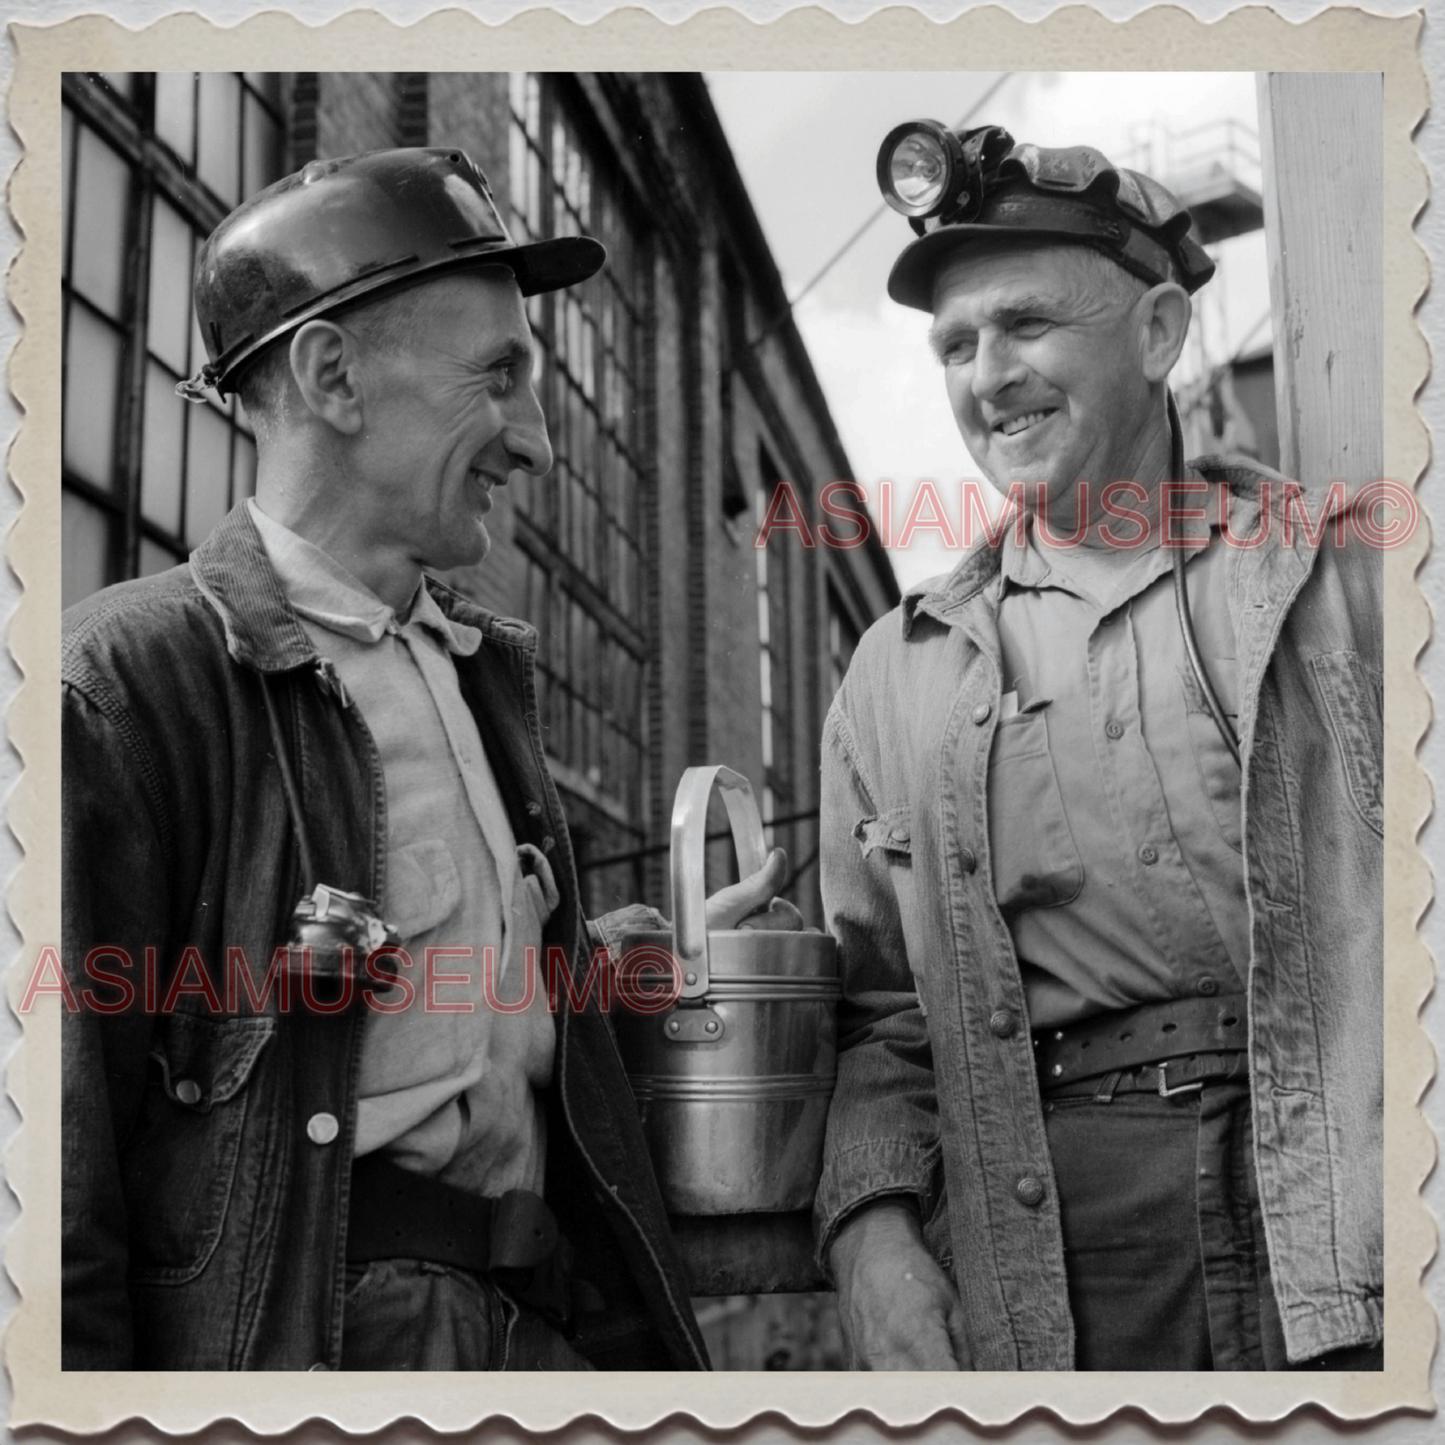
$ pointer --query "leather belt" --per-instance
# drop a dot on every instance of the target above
(1151, 1034)
(399, 1214)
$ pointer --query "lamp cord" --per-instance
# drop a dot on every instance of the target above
(1181, 599)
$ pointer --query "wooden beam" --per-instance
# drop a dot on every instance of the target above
(1321, 143)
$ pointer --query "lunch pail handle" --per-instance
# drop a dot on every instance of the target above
(689, 856)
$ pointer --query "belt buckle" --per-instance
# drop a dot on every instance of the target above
(1165, 1092)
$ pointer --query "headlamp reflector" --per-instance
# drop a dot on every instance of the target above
(918, 168)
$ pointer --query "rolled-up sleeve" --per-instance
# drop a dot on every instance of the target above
(882, 1136)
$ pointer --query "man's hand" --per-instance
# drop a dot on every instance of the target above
(750, 904)
(899, 1310)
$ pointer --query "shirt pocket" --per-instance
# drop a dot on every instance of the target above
(1035, 862)
(889, 835)
(179, 1167)
(423, 887)
(1218, 772)
(1351, 691)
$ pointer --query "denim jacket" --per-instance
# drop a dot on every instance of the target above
(937, 1096)
(206, 1159)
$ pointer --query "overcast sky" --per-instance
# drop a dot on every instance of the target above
(807, 145)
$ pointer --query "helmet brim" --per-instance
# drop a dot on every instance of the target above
(538, 266)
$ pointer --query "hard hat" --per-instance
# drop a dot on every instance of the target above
(978, 185)
(338, 230)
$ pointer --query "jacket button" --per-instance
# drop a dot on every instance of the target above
(548, 843)
(1002, 1023)
(188, 1091)
(967, 859)
(982, 713)
(1114, 730)
(1148, 855)
(322, 1128)
(534, 809)
(1208, 986)
(1030, 1191)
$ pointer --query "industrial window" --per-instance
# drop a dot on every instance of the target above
(579, 528)
(774, 657)
(151, 163)
(842, 640)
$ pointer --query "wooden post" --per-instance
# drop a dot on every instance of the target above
(1321, 144)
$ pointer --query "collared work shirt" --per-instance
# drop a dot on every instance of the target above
(1113, 801)
(446, 1081)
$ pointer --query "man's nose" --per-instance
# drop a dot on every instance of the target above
(525, 436)
(995, 365)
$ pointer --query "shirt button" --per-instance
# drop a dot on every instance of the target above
(1148, 855)
(1114, 730)
(1208, 986)
(1030, 1191)
(1002, 1023)
(982, 713)
(188, 1091)
(322, 1128)
(967, 859)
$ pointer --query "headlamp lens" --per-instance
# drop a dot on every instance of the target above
(918, 170)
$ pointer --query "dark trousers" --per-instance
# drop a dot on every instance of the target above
(407, 1314)
(1164, 1242)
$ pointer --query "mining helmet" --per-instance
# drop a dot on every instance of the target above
(978, 184)
(339, 230)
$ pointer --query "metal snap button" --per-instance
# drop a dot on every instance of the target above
(1208, 986)
(1148, 855)
(1030, 1191)
(322, 1128)
(967, 859)
(1114, 730)
(534, 809)
(548, 843)
(188, 1091)
(1002, 1023)
(983, 712)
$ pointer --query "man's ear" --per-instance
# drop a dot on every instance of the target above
(1164, 312)
(325, 362)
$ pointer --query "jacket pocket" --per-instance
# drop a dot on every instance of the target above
(180, 1164)
(423, 887)
(1035, 861)
(890, 834)
(1350, 689)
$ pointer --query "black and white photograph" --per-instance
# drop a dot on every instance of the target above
(723, 720)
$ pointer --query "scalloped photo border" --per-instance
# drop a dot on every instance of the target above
(1077, 38)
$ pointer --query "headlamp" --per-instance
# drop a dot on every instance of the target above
(920, 168)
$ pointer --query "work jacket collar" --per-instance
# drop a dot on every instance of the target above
(234, 574)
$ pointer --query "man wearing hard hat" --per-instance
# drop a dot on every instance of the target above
(1102, 819)
(300, 738)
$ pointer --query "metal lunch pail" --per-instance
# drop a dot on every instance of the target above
(733, 1080)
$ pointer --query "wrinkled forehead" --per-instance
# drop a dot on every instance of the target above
(1027, 267)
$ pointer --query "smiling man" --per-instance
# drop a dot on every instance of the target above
(1110, 1082)
(299, 735)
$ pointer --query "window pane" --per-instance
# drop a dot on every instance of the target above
(218, 150)
(208, 472)
(170, 286)
(120, 81)
(97, 267)
(83, 534)
(268, 82)
(263, 147)
(92, 369)
(160, 489)
(67, 143)
(155, 558)
(176, 113)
